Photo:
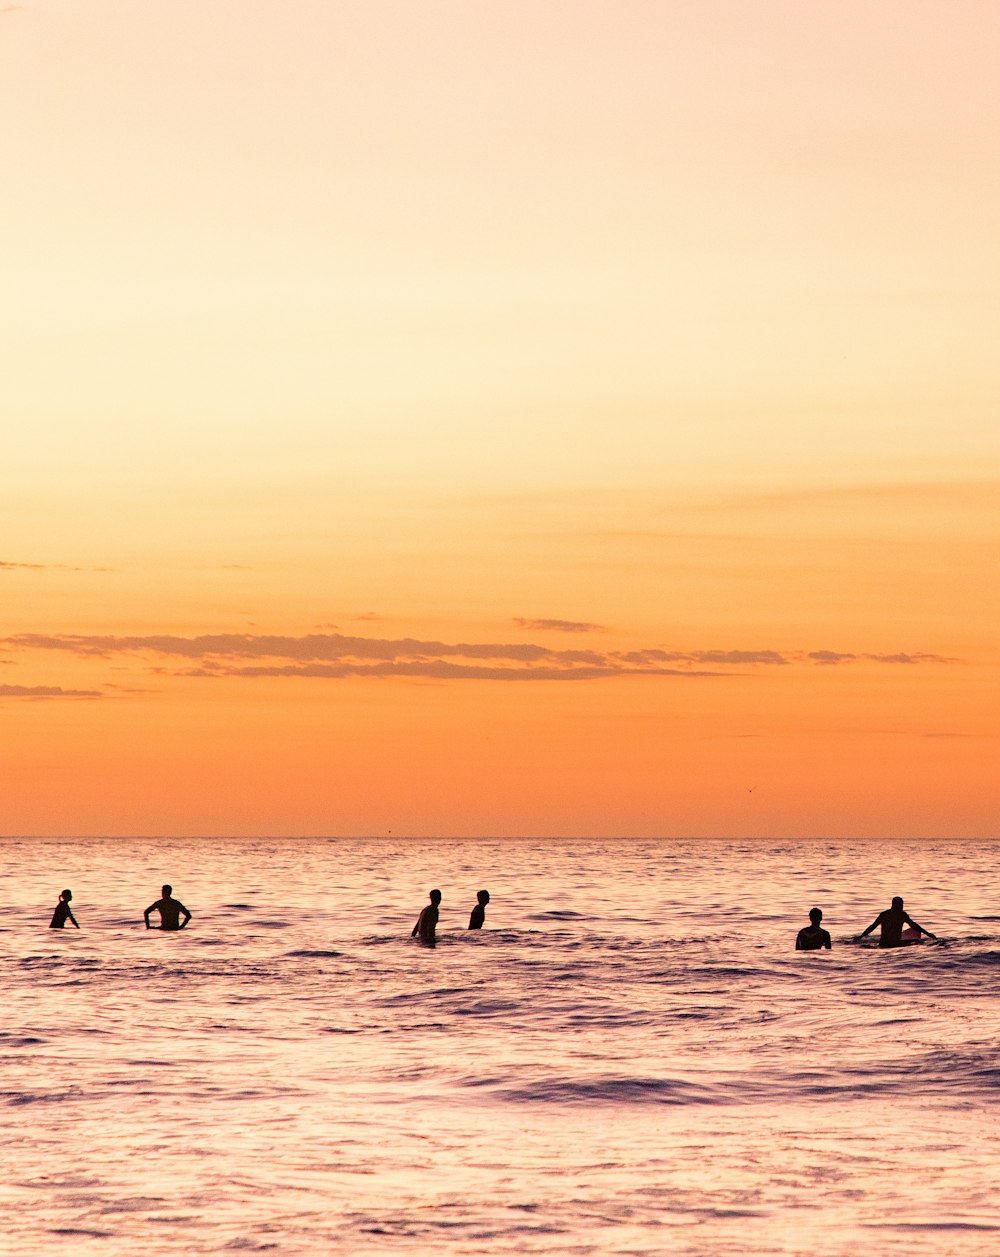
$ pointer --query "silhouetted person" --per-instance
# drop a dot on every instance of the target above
(891, 924)
(813, 937)
(479, 911)
(63, 913)
(170, 911)
(426, 926)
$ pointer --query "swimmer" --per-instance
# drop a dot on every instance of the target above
(170, 911)
(890, 923)
(426, 926)
(63, 913)
(813, 937)
(479, 911)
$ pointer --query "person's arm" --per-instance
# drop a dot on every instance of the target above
(420, 921)
(798, 942)
(74, 920)
(919, 928)
(187, 917)
(827, 942)
(877, 921)
(146, 915)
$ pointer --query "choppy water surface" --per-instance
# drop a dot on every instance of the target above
(629, 1059)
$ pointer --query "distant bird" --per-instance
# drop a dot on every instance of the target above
(749, 789)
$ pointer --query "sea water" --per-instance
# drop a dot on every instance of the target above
(630, 1058)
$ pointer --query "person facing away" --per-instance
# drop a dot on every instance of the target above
(812, 937)
(891, 922)
(170, 911)
(63, 912)
(426, 926)
(479, 911)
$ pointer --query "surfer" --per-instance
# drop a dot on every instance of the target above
(813, 937)
(170, 911)
(426, 926)
(479, 911)
(63, 912)
(890, 923)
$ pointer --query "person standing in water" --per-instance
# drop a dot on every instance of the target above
(890, 923)
(426, 926)
(479, 911)
(813, 937)
(63, 912)
(170, 911)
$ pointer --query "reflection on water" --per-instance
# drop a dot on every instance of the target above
(629, 1058)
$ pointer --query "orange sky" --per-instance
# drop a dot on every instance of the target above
(461, 418)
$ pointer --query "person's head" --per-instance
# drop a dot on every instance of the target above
(815, 915)
(483, 897)
(435, 897)
(166, 891)
(897, 901)
(66, 895)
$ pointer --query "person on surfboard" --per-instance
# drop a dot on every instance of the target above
(479, 911)
(170, 911)
(426, 926)
(813, 937)
(891, 922)
(63, 912)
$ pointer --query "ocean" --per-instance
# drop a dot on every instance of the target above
(629, 1059)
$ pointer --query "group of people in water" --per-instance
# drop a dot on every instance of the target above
(426, 927)
(173, 914)
(896, 927)
(890, 923)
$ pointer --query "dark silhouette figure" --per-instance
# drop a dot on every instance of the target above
(479, 911)
(813, 937)
(170, 911)
(63, 912)
(891, 924)
(426, 926)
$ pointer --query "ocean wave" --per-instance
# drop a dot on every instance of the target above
(986, 959)
(487, 1007)
(559, 914)
(931, 1226)
(608, 1090)
(936, 1075)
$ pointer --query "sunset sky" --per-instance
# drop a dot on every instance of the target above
(528, 417)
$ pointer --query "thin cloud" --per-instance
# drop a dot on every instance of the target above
(715, 657)
(831, 657)
(558, 626)
(910, 659)
(7, 565)
(739, 657)
(332, 655)
(45, 691)
(442, 670)
(312, 646)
